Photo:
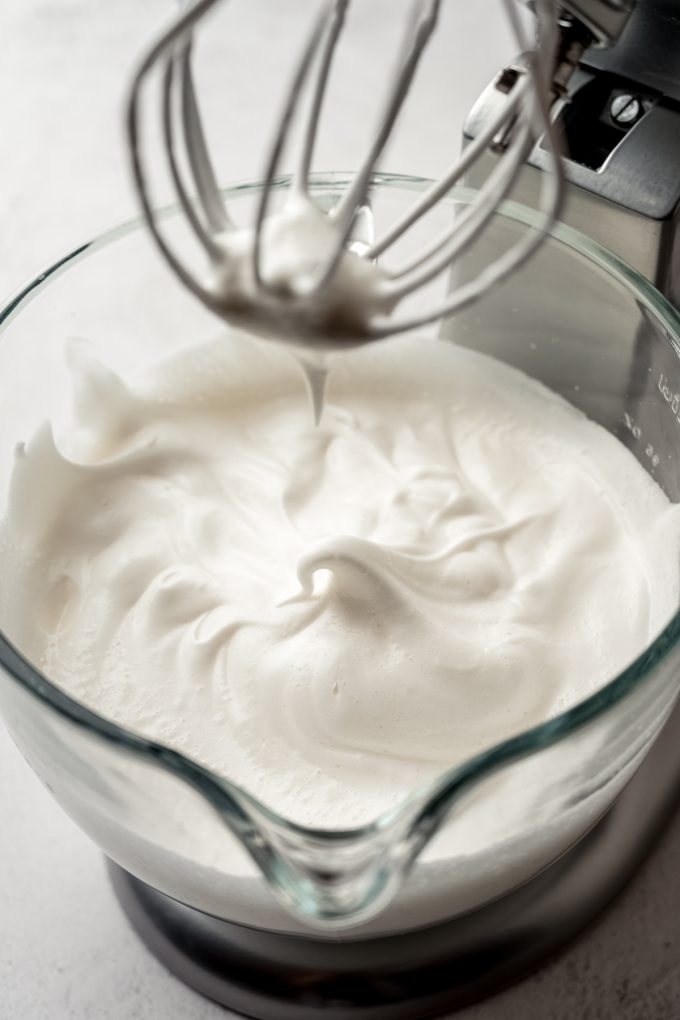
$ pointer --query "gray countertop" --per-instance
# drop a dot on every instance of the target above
(66, 952)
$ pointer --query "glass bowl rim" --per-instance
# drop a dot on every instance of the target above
(438, 793)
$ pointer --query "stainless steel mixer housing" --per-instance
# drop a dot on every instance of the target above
(617, 102)
(620, 110)
(621, 114)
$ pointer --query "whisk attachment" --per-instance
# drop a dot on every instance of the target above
(317, 277)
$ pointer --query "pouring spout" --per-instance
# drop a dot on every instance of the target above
(331, 879)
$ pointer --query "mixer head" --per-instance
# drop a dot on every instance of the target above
(336, 287)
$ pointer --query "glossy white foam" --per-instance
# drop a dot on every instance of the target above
(332, 616)
(298, 244)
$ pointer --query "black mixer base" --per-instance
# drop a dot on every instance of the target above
(419, 973)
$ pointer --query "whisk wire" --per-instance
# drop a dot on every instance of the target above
(274, 157)
(201, 232)
(551, 195)
(439, 189)
(423, 21)
(164, 48)
(469, 223)
(198, 153)
(312, 126)
(522, 118)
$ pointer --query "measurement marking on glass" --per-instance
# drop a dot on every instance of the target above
(671, 398)
(636, 431)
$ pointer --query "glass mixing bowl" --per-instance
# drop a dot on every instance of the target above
(577, 319)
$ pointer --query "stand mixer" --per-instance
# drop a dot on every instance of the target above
(612, 82)
(616, 357)
(614, 89)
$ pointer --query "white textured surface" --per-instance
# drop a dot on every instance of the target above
(66, 953)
